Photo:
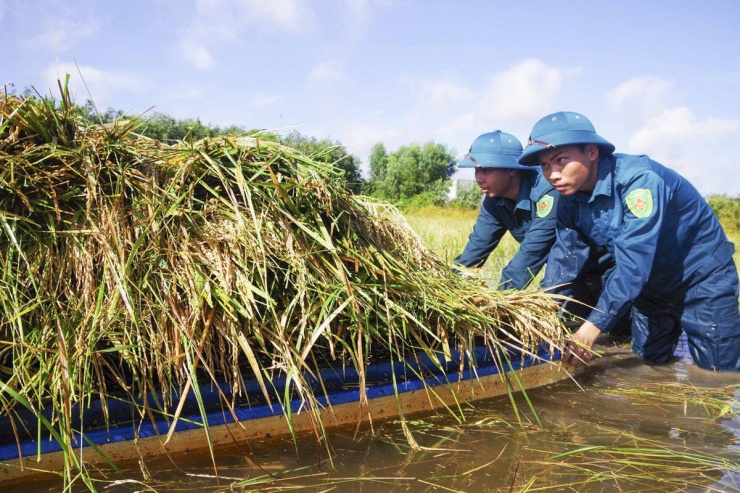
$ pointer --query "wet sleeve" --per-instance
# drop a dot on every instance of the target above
(535, 247)
(643, 203)
(486, 235)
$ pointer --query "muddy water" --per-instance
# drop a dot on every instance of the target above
(622, 425)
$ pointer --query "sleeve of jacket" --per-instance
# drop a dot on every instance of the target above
(569, 253)
(536, 245)
(486, 235)
(643, 203)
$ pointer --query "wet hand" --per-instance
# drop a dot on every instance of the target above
(577, 351)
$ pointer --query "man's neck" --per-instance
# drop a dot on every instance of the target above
(593, 177)
(512, 193)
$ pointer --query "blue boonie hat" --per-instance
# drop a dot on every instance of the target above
(495, 149)
(560, 129)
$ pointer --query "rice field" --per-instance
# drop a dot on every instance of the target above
(445, 231)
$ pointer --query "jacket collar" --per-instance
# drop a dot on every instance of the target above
(526, 183)
(605, 179)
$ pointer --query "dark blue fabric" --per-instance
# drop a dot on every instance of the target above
(584, 290)
(675, 264)
(535, 234)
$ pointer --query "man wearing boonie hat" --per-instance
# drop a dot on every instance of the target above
(674, 267)
(517, 199)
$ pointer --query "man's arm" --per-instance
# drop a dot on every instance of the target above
(643, 204)
(486, 235)
(535, 247)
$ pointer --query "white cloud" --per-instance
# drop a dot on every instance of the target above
(442, 96)
(62, 34)
(525, 91)
(287, 14)
(218, 22)
(679, 126)
(196, 54)
(463, 125)
(647, 89)
(694, 147)
(358, 7)
(445, 110)
(674, 135)
(360, 137)
(639, 99)
(104, 86)
(358, 15)
(325, 74)
(455, 112)
(263, 100)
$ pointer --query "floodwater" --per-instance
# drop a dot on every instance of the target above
(620, 426)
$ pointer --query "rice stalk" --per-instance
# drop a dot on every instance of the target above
(633, 463)
(717, 402)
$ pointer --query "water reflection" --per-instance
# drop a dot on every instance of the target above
(621, 426)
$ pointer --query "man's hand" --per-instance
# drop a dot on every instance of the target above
(577, 350)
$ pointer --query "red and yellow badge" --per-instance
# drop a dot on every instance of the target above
(640, 202)
(544, 206)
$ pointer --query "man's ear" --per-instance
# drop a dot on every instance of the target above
(592, 151)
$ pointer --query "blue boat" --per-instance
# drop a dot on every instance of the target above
(416, 384)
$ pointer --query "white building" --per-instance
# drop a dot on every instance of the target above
(458, 184)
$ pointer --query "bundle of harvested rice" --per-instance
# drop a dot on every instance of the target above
(128, 267)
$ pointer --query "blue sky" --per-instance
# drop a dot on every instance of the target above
(655, 77)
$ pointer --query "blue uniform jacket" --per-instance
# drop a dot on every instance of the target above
(653, 222)
(534, 230)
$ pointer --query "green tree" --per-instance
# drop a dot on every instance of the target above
(414, 169)
(328, 152)
(378, 162)
(91, 113)
(378, 166)
(161, 126)
(167, 129)
(727, 210)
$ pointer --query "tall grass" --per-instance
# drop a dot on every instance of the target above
(445, 231)
(130, 267)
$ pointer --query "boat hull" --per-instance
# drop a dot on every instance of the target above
(131, 441)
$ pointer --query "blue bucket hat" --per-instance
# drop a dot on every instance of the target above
(495, 149)
(560, 129)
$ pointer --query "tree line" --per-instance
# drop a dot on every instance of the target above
(413, 175)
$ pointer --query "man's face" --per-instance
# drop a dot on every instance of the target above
(494, 182)
(570, 169)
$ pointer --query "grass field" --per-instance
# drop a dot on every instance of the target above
(445, 231)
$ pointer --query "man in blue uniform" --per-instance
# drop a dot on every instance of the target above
(674, 267)
(517, 199)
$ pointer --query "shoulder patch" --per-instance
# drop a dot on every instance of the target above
(640, 202)
(544, 206)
